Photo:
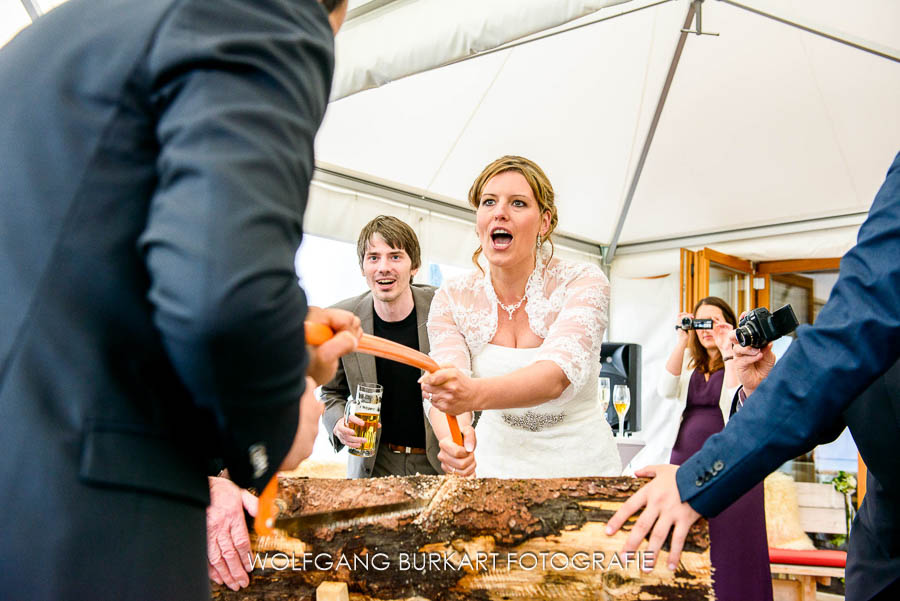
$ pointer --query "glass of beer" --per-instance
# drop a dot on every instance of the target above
(621, 403)
(367, 407)
(603, 393)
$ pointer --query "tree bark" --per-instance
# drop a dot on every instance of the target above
(481, 539)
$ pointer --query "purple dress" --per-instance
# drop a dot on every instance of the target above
(739, 551)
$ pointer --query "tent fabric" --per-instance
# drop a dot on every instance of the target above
(404, 38)
(764, 124)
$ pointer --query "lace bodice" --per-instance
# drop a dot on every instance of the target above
(567, 306)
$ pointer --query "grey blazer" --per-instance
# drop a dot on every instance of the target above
(358, 367)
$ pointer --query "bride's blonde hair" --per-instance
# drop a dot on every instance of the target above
(537, 180)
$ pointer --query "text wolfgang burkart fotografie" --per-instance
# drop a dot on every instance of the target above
(453, 561)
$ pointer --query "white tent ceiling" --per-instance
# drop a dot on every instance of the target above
(764, 124)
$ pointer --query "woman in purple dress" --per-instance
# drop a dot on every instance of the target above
(698, 374)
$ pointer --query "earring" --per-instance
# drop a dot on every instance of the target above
(538, 242)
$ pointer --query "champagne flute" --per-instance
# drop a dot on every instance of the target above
(621, 403)
(603, 393)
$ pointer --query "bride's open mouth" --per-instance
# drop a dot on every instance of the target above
(501, 238)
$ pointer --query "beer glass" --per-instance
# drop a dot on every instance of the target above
(621, 403)
(367, 407)
(603, 393)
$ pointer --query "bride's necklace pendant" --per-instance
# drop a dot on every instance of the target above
(510, 309)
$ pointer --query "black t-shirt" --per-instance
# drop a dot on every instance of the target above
(402, 420)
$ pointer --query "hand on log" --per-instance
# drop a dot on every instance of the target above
(227, 539)
(664, 510)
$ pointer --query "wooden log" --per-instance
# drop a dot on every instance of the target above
(481, 539)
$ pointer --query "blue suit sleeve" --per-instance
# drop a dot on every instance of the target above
(854, 340)
(240, 89)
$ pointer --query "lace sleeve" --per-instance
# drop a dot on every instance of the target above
(448, 345)
(573, 339)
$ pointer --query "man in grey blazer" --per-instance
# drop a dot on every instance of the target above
(396, 309)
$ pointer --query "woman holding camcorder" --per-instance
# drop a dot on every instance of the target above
(700, 378)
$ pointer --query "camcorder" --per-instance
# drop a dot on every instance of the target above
(694, 324)
(759, 327)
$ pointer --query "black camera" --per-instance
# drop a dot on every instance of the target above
(695, 324)
(759, 327)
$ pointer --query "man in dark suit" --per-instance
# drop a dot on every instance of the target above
(155, 159)
(396, 309)
(810, 394)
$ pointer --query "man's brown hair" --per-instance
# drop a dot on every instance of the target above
(396, 233)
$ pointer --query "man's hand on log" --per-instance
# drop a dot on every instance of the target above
(227, 540)
(323, 358)
(455, 459)
(664, 510)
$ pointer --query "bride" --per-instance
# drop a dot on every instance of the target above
(520, 342)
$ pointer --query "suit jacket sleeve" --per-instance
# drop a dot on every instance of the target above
(240, 90)
(854, 340)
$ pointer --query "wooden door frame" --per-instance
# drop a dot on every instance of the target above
(764, 270)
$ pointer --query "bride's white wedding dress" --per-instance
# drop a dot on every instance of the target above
(556, 439)
(567, 306)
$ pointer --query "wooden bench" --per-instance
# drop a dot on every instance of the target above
(795, 573)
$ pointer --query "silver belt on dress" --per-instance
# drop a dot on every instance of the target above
(531, 421)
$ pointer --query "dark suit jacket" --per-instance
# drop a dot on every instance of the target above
(359, 367)
(873, 566)
(855, 340)
(155, 159)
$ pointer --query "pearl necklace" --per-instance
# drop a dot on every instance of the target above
(510, 309)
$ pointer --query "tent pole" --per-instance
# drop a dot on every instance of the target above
(673, 66)
(841, 38)
(33, 10)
